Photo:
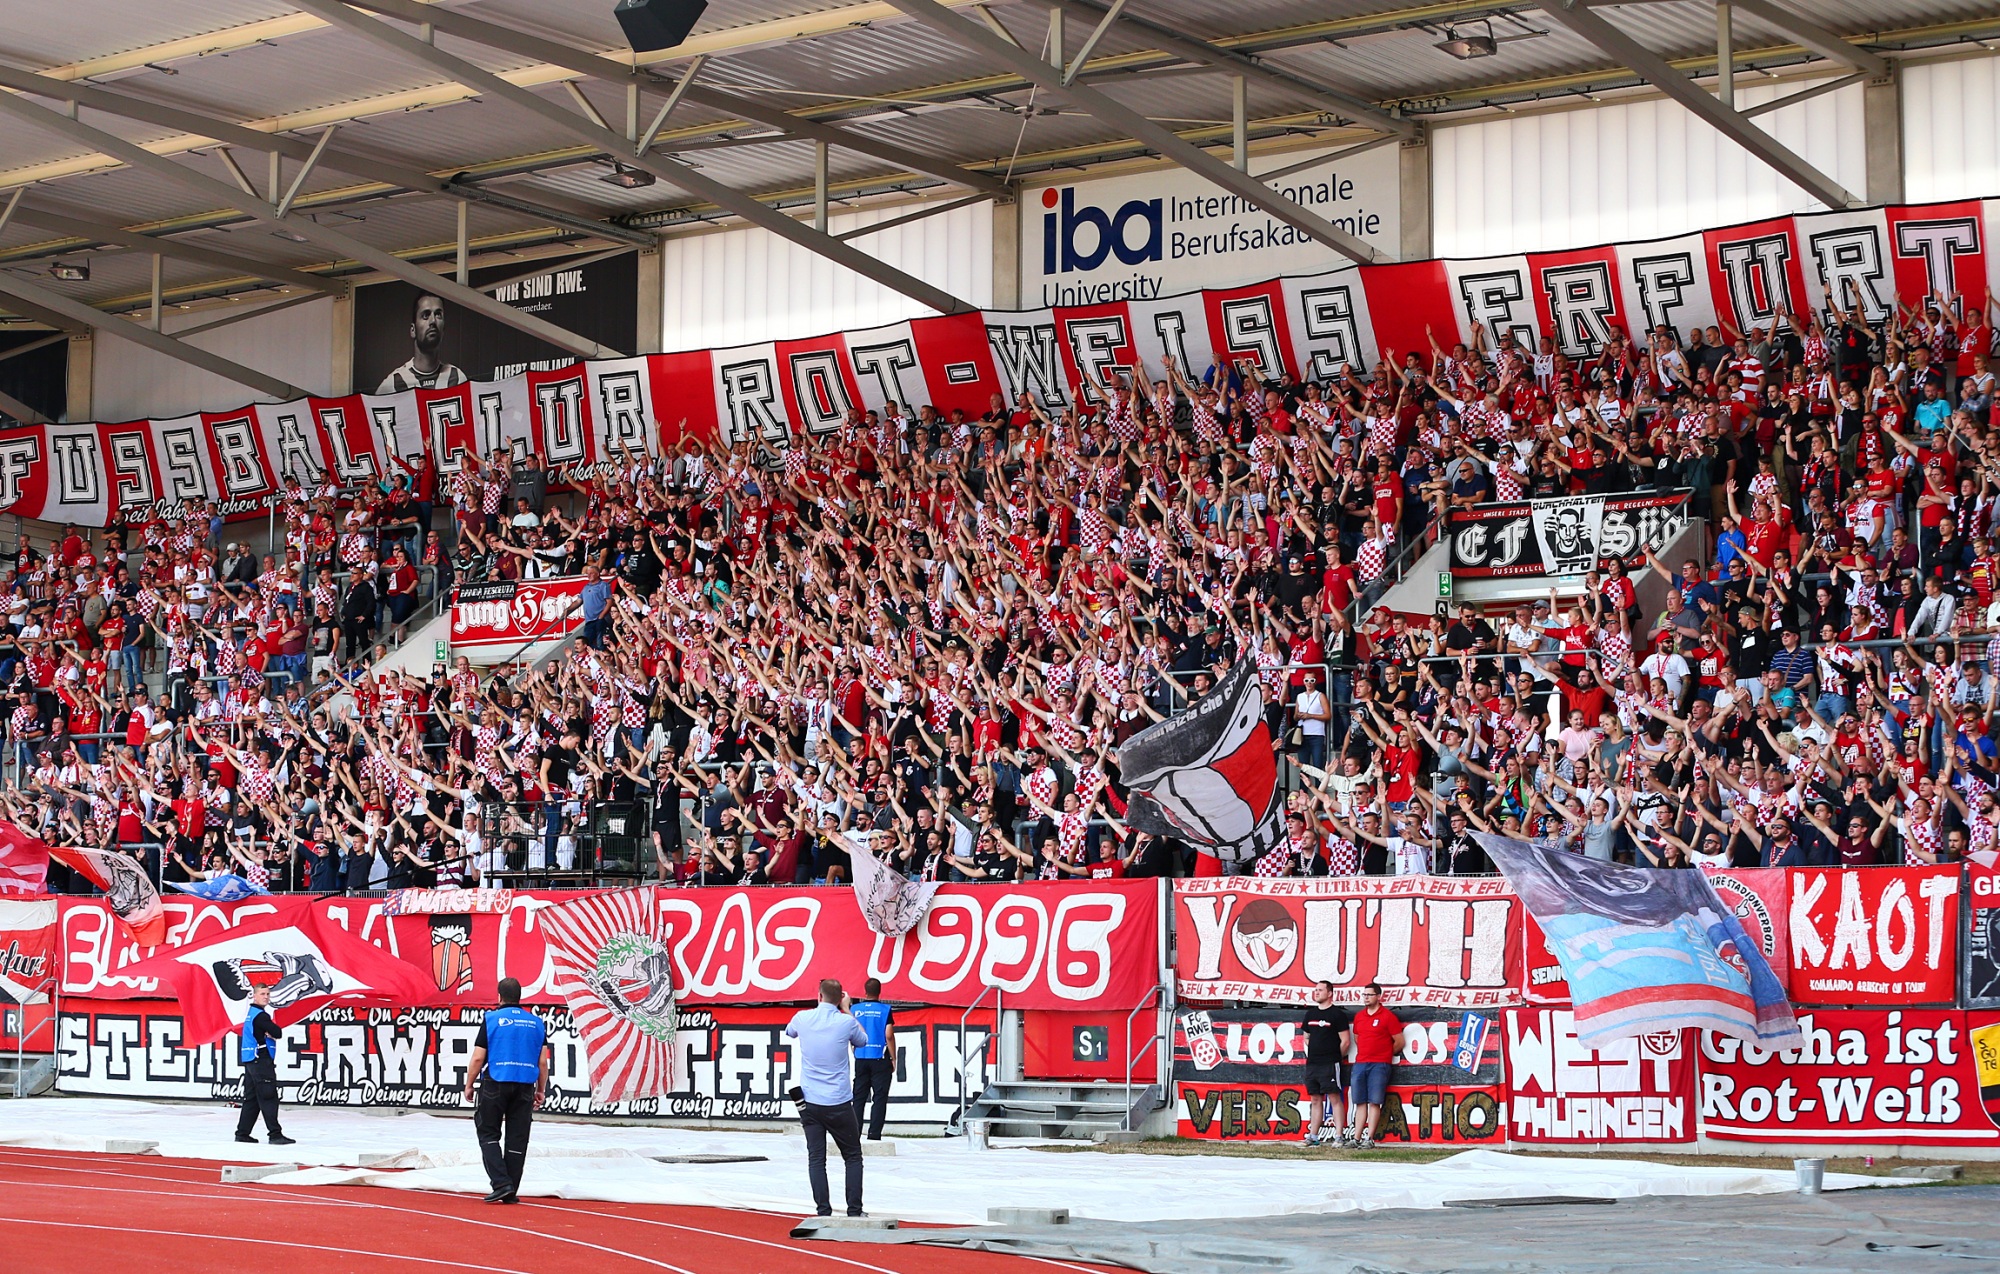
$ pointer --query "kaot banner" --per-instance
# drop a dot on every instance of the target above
(1429, 940)
(582, 417)
(1876, 936)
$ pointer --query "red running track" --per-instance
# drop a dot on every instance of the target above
(115, 1214)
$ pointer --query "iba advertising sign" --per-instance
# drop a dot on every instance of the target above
(1148, 235)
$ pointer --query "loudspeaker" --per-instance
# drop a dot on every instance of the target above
(652, 25)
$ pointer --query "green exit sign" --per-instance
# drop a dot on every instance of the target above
(1444, 583)
(443, 651)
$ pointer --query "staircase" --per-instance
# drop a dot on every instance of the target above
(28, 1075)
(1058, 1111)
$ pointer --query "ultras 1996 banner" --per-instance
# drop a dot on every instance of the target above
(1432, 940)
(1046, 945)
(584, 415)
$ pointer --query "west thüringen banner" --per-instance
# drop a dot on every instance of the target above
(589, 414)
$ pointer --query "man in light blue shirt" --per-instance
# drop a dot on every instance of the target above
(827, 1035)
(596, 601)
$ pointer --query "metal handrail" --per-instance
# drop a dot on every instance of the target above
(1151, 1040)
(963, 1018)
(46, 990)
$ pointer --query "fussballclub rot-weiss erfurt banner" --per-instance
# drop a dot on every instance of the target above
(589, 414)
(1047, 946)
(1430, 940)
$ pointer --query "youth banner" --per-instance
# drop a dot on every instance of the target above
(1874, 935)
(1563, 536)
(1253, 1089)
(733, 1062)
(440, 392)
(1208, 775)
(1899, 1076)
(1046, 944)
(1563, 1093)
(1644, 951)
(1429, 940)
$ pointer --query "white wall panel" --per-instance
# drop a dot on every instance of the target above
(1627, 171)
(747, 285)
(1951, 129)
(130, 382)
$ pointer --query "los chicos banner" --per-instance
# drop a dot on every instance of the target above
(1639, 1089)
(733, 1063)
(1048, 946)
(584, 415)
(1903, 1077)
(1250, 1086)
(1428, 940)
(515, 613)
(1567, 535)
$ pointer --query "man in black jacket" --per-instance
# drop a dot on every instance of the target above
(357, 611)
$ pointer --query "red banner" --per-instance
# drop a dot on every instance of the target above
(1982, 883)
(1427, 939)
(1562, 1093)
(1873, 936)
(1902, 1077)
(1045, 946)
(27, 958)
(516, 613)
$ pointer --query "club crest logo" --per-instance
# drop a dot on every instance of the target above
(634, 976)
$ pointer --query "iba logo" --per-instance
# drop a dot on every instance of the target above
(1265, 938)
(1112, 234)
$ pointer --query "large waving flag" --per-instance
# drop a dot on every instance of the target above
(24, 862)
(891, 903)
(1645, 949)
(614, 970)
(1208, 775)
(222, 887)
(132, 894)
(307, 961)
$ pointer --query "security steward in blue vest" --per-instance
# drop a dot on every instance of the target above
(875, 1061)
(510, 1063)
(257, 1049)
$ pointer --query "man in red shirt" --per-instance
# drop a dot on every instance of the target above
(1378, 1045)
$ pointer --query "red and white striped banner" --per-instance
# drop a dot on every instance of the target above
(585, 415)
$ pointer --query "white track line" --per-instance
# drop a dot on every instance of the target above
(449, 1262)
(146, 1161)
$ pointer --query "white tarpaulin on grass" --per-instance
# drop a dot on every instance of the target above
(928, 1179)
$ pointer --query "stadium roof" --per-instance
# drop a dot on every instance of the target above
(237, 147)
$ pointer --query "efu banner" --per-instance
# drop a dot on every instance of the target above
(1564, 536)
(579, 415)
(1429, 940)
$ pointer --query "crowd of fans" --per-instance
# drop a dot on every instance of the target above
(926, 634)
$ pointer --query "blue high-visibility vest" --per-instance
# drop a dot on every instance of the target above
(248, 1047)
(874, 1017)
(514, 1042)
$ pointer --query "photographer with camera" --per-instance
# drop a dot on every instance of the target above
(828, 1034)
